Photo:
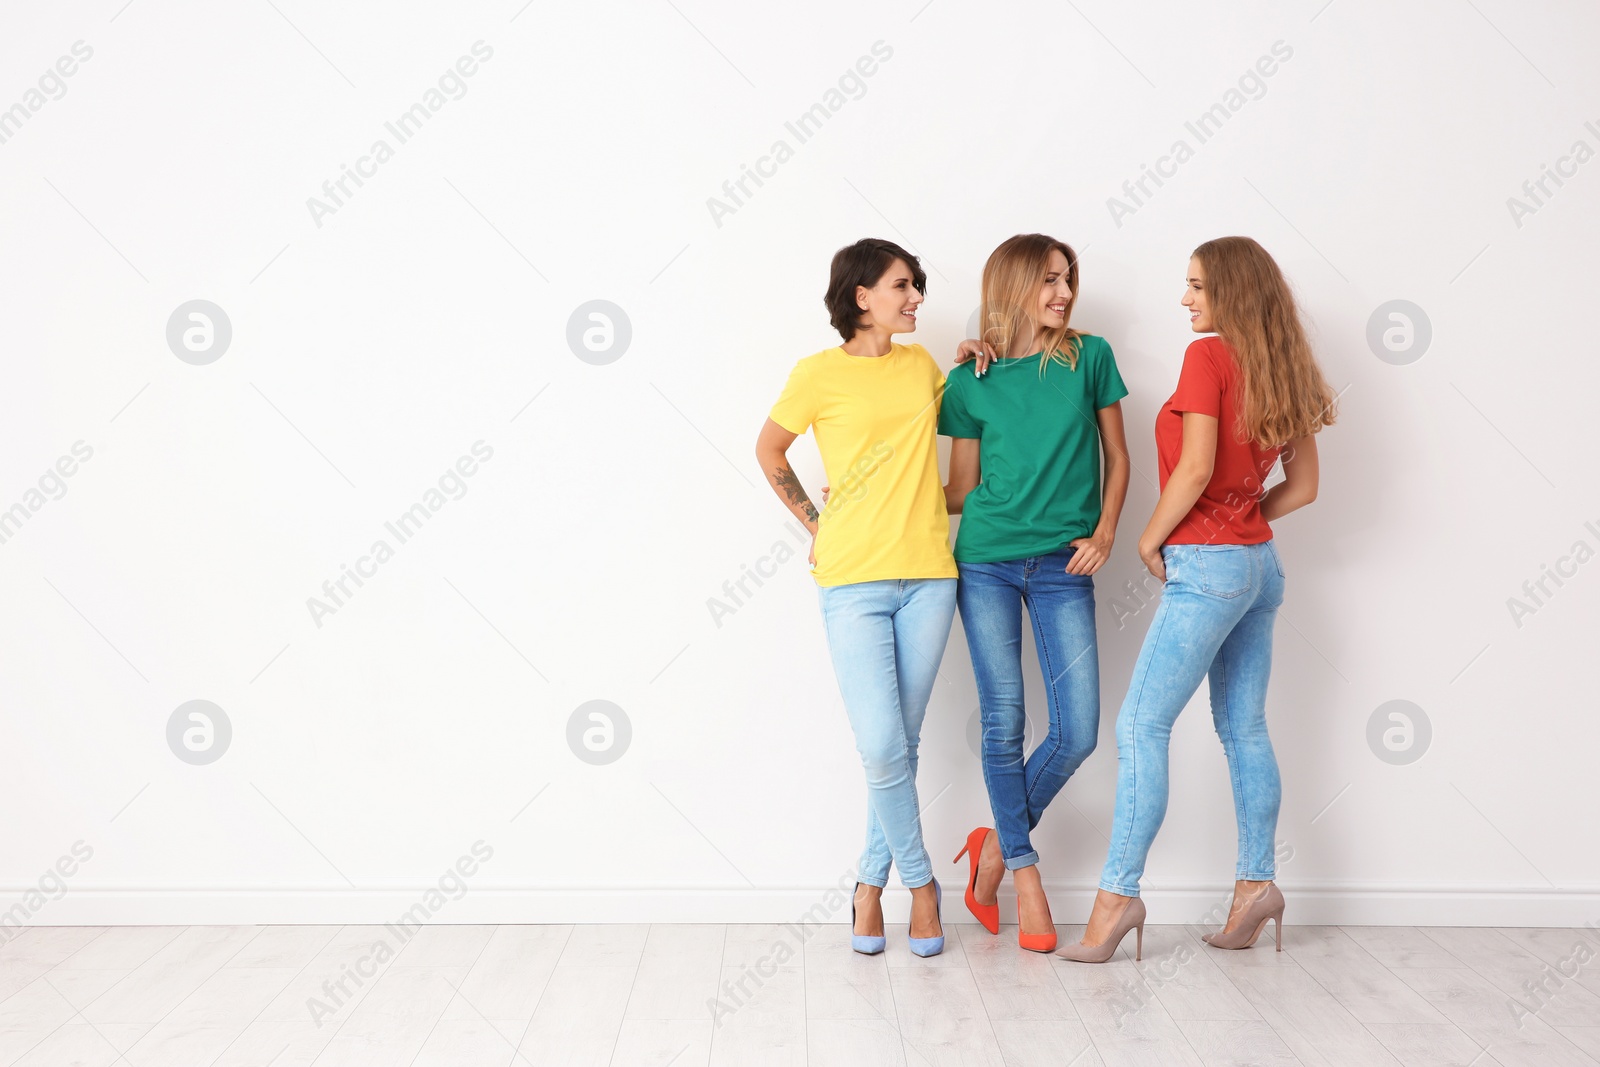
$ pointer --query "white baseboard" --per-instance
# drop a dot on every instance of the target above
(1308, 904)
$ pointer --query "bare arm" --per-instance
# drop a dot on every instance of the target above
(1094, 550)
(1299, 485)
(772, 452)
(1188, 480)
(965, 472)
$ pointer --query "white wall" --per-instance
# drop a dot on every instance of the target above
(375, 345)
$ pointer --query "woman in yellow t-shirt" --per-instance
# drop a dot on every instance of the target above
(880, 552)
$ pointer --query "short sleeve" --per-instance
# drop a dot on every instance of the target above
(954, 418)
(1108, 385)
(1199, 383)
(796, 408)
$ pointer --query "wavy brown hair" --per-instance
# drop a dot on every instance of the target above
(1284, 395)
(1011, 281)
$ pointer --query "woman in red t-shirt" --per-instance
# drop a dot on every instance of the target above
(1246, 397)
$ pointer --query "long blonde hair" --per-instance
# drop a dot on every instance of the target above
(1011, 281)
(1284, 394)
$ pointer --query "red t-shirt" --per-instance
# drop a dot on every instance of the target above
(1229, 509)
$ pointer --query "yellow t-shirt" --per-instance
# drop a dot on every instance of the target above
(875, 419)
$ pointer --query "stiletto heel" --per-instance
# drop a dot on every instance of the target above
(1132, 919)
(1268, 904)
(866, 944)
(931, 946)
(987, 914)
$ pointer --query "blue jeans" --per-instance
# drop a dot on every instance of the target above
(1061, 606)
(1215, 620)
(886, 639)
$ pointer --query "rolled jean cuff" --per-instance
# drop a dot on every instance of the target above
(1121, 891)
(1027, 859)
(1249, 876)
(868, 880)
(926, 881)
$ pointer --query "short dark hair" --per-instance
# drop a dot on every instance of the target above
(863, 263)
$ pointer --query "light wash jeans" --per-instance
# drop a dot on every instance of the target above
(1215, 620)
(886, 639)
(1061, 607)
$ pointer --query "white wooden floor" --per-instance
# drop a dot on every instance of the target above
(638, 996)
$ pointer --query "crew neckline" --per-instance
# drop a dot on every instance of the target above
(1008, 361)
(894, 347)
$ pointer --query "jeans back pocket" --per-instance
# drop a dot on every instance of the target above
(1224, 569)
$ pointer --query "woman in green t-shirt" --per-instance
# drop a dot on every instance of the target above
(1036, 523)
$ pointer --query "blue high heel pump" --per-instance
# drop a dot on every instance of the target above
(931, 946)
(864, 943)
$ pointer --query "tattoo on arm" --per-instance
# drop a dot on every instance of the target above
(785, 480)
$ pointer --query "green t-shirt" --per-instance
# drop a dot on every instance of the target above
(1040, 456)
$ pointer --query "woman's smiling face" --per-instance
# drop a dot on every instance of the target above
(891, 304)
(1055, 295)
(1196, 299)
